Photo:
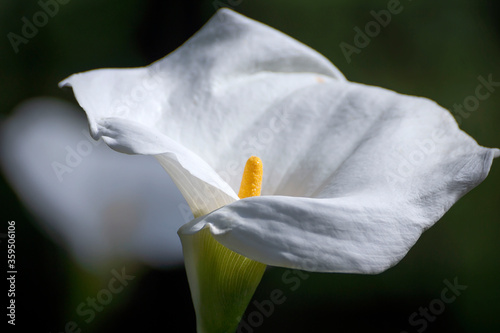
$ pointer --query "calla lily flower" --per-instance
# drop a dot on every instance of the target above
(353, 174)
(102, 206)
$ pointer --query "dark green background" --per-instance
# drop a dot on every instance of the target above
(435, 49)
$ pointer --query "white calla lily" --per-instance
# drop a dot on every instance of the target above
(101, 205)
(353, 174)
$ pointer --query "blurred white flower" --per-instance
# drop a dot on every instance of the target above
(103, 206)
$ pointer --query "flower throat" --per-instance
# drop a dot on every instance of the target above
(225, 281)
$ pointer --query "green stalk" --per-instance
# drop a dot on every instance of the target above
(222, 282)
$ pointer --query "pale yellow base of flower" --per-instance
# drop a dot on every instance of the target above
(225, 283)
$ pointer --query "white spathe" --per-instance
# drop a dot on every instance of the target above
(353, 174)
(101, 205)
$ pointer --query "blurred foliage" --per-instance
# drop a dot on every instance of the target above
(435, 49)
